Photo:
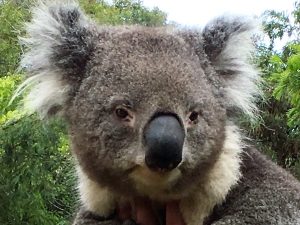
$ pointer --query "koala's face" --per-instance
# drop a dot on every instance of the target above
(146, 107)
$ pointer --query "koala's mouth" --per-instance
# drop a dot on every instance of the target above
(148, 181)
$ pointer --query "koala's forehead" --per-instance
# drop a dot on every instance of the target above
(145, 61)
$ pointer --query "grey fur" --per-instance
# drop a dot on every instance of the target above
(84, 72)
(266, 195)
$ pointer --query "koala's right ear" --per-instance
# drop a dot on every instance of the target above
(59, 43)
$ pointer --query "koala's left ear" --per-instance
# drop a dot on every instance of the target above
(58, 45)
(227, 43)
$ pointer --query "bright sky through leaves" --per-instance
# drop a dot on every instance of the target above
(198, 12)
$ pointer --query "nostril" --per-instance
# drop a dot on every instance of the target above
(171, 166)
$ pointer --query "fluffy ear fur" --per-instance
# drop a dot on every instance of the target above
(59, 44)
(227, 43)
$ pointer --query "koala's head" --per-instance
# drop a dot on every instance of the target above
(146, 107)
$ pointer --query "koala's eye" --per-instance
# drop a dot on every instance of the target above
(193, 116)
(122, 113)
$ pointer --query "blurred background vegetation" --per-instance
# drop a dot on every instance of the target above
(37, 183)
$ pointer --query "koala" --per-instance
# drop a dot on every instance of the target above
(150, 115)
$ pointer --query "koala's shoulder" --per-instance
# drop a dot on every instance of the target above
(266, 194)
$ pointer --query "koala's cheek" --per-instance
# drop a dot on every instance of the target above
(201, 148)
(197, 148)
(189, 159)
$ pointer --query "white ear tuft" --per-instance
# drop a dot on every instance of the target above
(229, 46)
(59, 43)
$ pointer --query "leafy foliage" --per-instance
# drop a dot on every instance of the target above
(36, 181)
(12, 17)
(35, 187)
(277, 133)
(124, 12)
(287, 81)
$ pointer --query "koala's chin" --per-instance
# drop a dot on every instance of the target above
(158, 186)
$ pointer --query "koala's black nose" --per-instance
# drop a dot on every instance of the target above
(164, 137)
